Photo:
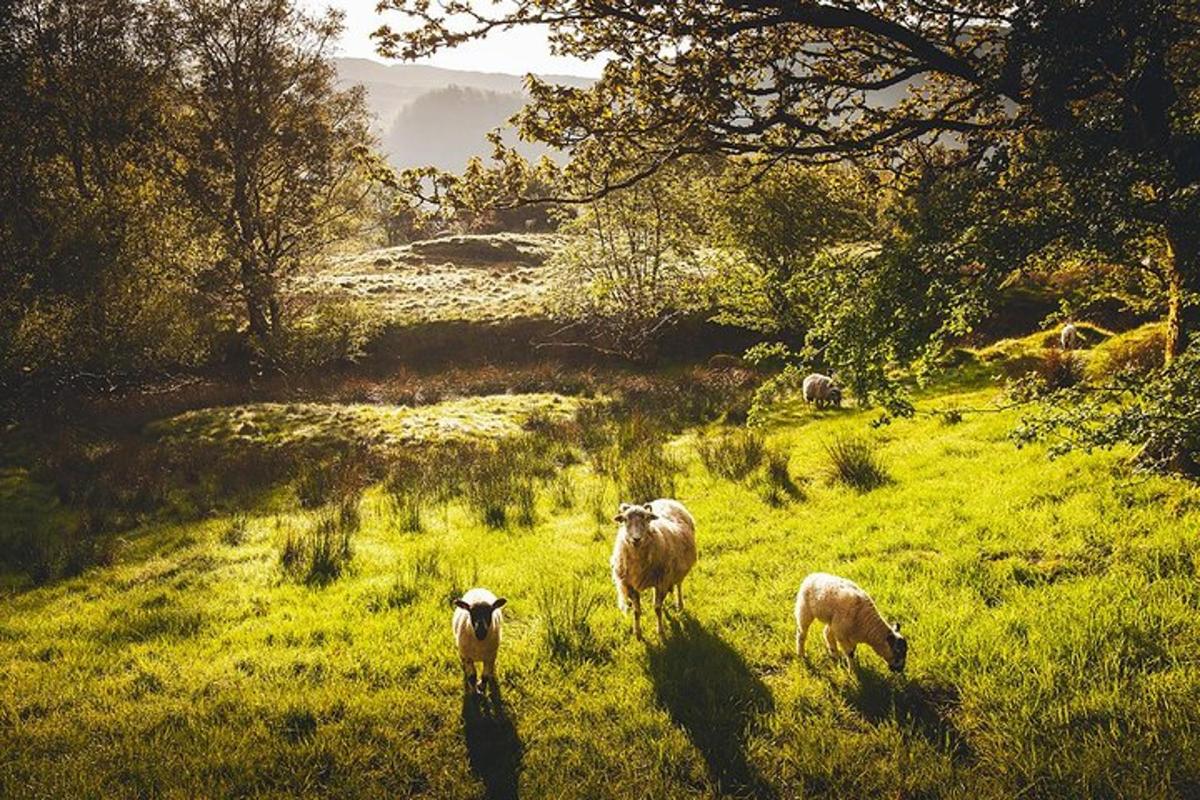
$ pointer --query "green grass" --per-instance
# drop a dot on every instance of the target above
(1052, 610)
(325, 426)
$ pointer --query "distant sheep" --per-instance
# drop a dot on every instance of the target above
(1070, 337)
(850, 619)
(655, 548)
(822, 390)
(476, 625)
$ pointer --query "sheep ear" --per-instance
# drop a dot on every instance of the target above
(619, 517)
(896, 627)
(463, 604)
(500, 601)
(648, 507)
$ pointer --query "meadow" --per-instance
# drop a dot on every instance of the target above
(289, 635)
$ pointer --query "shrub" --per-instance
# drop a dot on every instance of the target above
(647, 473)
(853, 462)
(732, 455)
(1058, 369)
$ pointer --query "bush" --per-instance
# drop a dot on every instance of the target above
(1059, 369)
(732, 455)
(334, 332)
(647, 474)
(853, 462)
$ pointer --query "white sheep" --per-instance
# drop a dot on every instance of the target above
(1070, 336)
(655, 548)
(476, 625)
(822, 390)
(850, 619)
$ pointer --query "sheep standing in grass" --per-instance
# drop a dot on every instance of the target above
(1070, 336)
(850, 619)
(655, 548)
(476, 625)
(822, 390)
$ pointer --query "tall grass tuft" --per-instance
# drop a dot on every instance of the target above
(732, 455)
(566, 618)
(854, 463)
(322, 553)
(778, 487)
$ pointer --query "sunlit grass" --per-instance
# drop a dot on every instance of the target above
(1052, 610)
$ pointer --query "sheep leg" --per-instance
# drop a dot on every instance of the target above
(659, 597)
(831, 641)
(806, 619)
(469, 674)
(848, 650)
(489, 674)
(679, 594)
(635, 600)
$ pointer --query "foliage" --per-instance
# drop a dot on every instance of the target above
(1157, 411)
(628, 271)
(1139, 350)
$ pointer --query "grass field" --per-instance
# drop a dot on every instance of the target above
(1052, 610)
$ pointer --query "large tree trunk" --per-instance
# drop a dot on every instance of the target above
(1183, 283)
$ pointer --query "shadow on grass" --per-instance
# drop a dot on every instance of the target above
(924, 710)
(494, 749)
(710, 692)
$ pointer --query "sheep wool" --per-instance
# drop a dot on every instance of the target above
(850, 618)
(655, 549)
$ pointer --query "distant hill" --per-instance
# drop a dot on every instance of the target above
(429, 115)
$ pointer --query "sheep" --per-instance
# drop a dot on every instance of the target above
(850, 619)
(476, 624)
(1070, 336)
(655, 547)
(822, 390)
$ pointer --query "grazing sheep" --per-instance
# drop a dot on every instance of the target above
(655, 548)
(476, 625)
(822, 390)
(1070, 337)
(850, 619)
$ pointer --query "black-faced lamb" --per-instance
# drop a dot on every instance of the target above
(822, 391)
(655, 549)
(850, 619)
(476, 624)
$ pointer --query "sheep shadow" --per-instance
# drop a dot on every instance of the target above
(711, 693)
(925, 710)
(494, 749)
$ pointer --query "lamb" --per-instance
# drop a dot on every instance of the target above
(655, 548)
(850, 619)
(476, 625)
(822, 390)
(1070, 336)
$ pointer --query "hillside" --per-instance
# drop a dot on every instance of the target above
(447, 113)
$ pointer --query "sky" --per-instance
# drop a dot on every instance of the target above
(515, 51)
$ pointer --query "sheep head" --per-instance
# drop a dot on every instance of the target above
(898, 648)
(636, 519)
(481, 615)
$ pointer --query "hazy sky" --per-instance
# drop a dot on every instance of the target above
(516, 51)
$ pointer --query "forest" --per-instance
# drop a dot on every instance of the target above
(899, 297)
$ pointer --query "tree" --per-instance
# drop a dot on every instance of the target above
(1114, 84)
(630, 269)
(97, 251)
(267, 148)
